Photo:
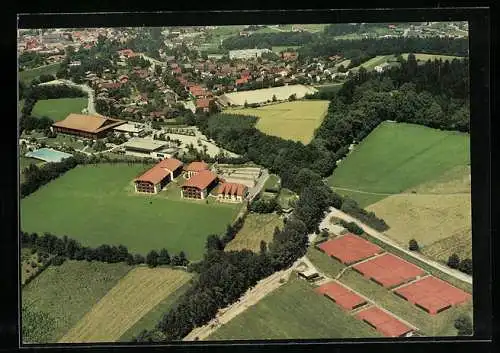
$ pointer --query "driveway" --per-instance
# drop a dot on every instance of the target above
(325, 223)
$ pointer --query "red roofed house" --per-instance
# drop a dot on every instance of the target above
(203, 104)
(198, 186)
(197, 91)
(127, 53)
(289, 55)
(123, 78)
(241, 81)
(153, 180)
(231, 192)
(194, 168)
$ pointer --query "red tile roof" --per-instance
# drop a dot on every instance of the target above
(196, 167)
(232, 189)
(241, 81)
(201, 180)
(203, 103)
(160, 171)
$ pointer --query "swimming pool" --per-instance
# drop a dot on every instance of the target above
(48, 155)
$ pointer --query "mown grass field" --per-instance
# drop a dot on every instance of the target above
(378, 60)
(294, 311)
(291, 120)
(285, 197)
(324, 263)
(149, 321)
(60, 296)
(424, 57)
(95, 205)
(28, 75)
(59, 109)
(272, 182)
(440, 324)
(396, 157)
(130, 299)
(257, 227)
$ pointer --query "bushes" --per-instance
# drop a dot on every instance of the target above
(352, 227)
(453, 261)
(463, 324)
(413, 245)
(464, 265)
(351, 207)
(259, 205)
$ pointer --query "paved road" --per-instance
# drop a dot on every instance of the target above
(399, 193)
(380, 236)
(252, 192)
(87, 89)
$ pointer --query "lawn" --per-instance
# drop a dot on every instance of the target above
(95, 205)
(294, 311)
(149, 321)
(257, 227)
(378, 60)
(60, 296)
(326, 264)
(396, 157)
(295, 121)
(59, 109)
(285, 197)
(273, 182)
(131, 298)
(28, 75)
(329, 88)
(430, 325)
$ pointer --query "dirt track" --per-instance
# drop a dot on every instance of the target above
(251, 297)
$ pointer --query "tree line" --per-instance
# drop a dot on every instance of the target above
(67, 248)
(324, 46)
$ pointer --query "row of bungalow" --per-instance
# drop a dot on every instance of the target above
(200, 181)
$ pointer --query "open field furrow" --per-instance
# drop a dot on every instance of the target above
(132, 298)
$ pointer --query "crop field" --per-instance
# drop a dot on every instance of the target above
(95, 205)
(62, 295)
(424, 57)
(131, 298)
(291, 120)
(149, 321)
(294, 311)
(257, 227)
(440, 324)
(396, 157)
(59, 109)
(436, 213)
(28, 75)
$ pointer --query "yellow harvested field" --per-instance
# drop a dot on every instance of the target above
(130, 299)
(456, 180)
(425, 218)
(257, 227)
(295, 120)
(425, 57)
(459, 243)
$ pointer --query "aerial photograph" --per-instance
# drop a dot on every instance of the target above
(244, 182)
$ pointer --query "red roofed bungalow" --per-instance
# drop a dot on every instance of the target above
(197, 91)
(198, 186)
(153, 180)
(112, 85)
(231, 192)
(177, 70)
(123, 78)
(194, 168)
(289, 55)
(128, 53)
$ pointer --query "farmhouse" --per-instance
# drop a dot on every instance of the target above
(199, 185)
(153, 180)
(231, 192)
(194, 168)
(260, 96)
(89, 126)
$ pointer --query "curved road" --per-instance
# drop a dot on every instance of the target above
(325, 223)
(87, 89)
